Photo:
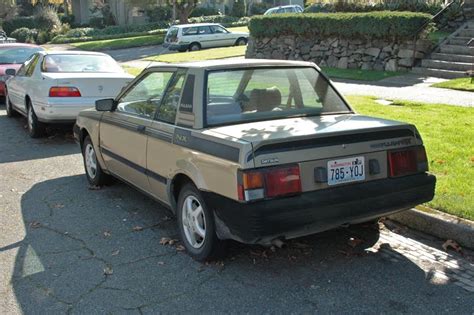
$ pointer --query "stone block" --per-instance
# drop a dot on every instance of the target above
(391, 65)
(405, 62)
(332, 61)
(342, 63)
(372, 51)
(408, 53)
(367, 66)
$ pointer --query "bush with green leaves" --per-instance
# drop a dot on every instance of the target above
(382, 24)
(386, 5)
(203, 11)
(9, 25)
(159, 13)
(25, 35)
(46, 18)
(238, 9)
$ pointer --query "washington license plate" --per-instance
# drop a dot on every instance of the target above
(346, 170)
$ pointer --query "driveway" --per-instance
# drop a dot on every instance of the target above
(410, 87)
(67, 248)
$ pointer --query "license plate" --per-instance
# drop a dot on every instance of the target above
(346, 170)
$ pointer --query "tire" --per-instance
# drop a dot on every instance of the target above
(241, 41)
(9, 108)
(36, 129)
(194, 47)
(181, 50)
(94, 173)
(193, 224)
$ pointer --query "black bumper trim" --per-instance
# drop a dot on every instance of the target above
(311, 212)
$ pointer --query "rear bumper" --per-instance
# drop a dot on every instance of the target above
(312, 212)
(62, 110)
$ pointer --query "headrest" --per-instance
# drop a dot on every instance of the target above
(264, 99)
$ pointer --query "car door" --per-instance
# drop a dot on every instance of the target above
(19, 83)
(206, 37)
(222, 36)
(123, 137)
(161, 152)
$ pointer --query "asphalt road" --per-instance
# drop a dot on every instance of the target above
(67, 249)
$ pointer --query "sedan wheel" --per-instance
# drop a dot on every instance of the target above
(194, 47)
(241, 42)
(8, 106)
(196, 225)
(36, 129)
(94, 173)
(90, 161)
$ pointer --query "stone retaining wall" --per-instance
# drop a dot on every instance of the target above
(341, 53)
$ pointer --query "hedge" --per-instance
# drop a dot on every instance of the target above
(382, 24)
(63, 39)
(18, 22)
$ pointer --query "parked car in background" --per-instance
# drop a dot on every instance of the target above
(206, 35)
(53, 86)
(4, 39)
(11, 57)
(252, 150)
(293, 8)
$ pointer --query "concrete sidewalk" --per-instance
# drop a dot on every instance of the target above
(410, 87)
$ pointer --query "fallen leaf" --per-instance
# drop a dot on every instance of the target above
(94, 187)
(167, 241)
(108, 271)
(354, 241)
(440, 161)
(161, 263)
(180, 248)
(137, 228)
(58, 206)
(107, 234)
(35, 224)
(115, 252)
(452, 244)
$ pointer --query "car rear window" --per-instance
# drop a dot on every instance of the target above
(80, 63)
(241, 95)
(172, 34)
(16, 55)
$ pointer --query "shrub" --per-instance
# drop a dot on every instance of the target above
(386, 5)
(203, 11)
(238, 9)
(42, 37)
(382, 24)
(10, 25)
(67, 19)
(25, 35)
(159, 13)
(46, 18)
(259, 8)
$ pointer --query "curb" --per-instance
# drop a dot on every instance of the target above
(439, 224)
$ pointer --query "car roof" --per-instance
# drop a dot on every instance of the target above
(71, 52)
(193, 25)
(223, 64)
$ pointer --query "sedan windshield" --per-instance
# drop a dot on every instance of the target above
(237, 96)
(80, 63)
(16, 55)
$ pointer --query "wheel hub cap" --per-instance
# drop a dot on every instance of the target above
(194, 222)
(91, 161)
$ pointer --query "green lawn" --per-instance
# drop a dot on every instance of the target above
(448, 132)
(438, 36)
(119, 43)
(357, 74)
(463, 84)
(200, 55)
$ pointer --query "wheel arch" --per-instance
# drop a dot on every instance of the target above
(195, 43)
(176, 184)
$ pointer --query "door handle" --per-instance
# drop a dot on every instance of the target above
(141, 129)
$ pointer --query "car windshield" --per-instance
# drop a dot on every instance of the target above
(80, 63)
(16, 55)
(237, 96)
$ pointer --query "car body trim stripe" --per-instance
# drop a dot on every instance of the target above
(135, 166)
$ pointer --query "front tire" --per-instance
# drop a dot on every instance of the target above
(9, 108)
(241, 42)
(196, 225)
(94, 173)
(36, 129)
(194, 47)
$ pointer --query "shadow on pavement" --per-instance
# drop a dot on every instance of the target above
(99, 251)
(16, 144)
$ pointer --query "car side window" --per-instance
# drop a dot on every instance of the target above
(32, 66)
(145, 96)
(167, 110)
(204, 30)
(24, 68)
(189, 31)
(218, 30)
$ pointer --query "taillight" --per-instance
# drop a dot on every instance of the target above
(269, 183)
(407, 161)
(64, 91)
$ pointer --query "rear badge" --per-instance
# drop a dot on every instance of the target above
(269, 161)
(100, 88)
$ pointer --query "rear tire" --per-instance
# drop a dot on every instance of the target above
(36, 129)
(196, 225)
(94, 173)
(9, 108)
(194, 47)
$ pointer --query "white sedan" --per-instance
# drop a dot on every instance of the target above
(52, 87)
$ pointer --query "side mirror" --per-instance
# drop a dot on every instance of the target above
(10, 72)
(105, 105)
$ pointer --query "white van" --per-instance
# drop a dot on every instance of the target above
(203, 35)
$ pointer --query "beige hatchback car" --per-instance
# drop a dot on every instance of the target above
(252, 150)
